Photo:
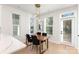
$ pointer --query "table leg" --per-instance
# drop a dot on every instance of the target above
(26, 42)
(47, 44)
(40, 48)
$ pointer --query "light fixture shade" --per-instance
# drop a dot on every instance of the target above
(37, 5)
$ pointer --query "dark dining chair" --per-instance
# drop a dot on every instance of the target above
(36, 43)
(28, 40)
(38, 33)
(44, 34)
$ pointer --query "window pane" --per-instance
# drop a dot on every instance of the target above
(49, 21)
(49, 30)
(32, 29)
(49, 25)
(15, 33)
(15, 18)
(32, 25)
(16, 21)
(32, 21)
(15, 27)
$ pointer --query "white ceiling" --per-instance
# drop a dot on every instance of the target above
(45, 8)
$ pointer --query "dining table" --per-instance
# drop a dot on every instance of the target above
(43, 39)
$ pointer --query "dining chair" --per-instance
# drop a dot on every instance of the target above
(38, 33)
(44, 34)
(36, 43)
(28, 40)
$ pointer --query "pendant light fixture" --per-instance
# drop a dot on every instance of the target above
(38, 16)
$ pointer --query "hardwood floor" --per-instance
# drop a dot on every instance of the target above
(53, 49)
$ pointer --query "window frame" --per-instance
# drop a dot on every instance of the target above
(16, 24)
(48, 25)
(32, 25)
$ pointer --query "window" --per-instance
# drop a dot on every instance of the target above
(15, 18)
(32, 25)
(49, 25)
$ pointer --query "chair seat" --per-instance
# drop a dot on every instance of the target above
(43, 41)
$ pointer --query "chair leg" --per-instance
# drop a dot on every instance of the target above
(36, 48)
(27, 43)
(47, 44)
(32, 47)
(42, 46)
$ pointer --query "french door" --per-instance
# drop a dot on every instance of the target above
(67, 30)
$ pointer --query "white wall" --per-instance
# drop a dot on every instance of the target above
(7, 26)
(57, 23)
(0, 15)
(78, 27)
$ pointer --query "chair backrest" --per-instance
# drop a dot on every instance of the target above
(28, 38)
(35, 40)
(38, 33)
(44, 34)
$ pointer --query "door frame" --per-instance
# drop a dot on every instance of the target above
(72, 28)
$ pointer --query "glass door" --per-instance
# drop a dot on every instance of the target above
(67, 30)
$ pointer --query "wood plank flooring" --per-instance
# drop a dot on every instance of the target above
(53, 49)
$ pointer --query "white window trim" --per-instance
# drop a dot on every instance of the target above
(47, 25)
(18, 25)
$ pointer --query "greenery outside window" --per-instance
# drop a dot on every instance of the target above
(32, 25)
(16, 26)
(49, 25)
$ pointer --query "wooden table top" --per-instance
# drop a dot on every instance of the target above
(42, 38)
